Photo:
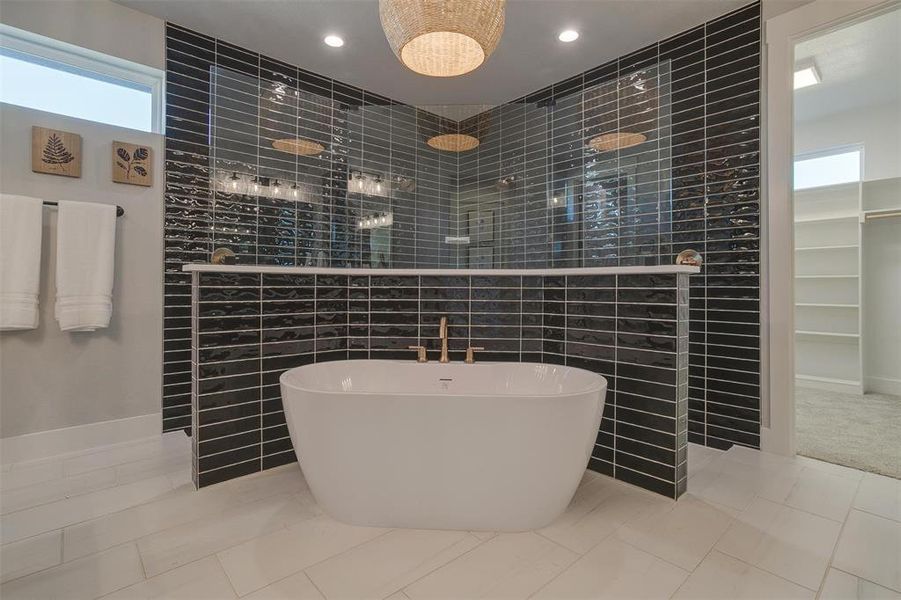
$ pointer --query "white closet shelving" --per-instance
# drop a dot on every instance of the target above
(828, 348)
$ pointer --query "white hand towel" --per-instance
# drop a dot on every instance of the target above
(20, 261)
(85, 248)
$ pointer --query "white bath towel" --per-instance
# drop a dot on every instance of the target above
(85, 248)
(20, 261)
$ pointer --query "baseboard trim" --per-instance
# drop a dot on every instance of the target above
(829, 385)
(884, 385)
(33, 446)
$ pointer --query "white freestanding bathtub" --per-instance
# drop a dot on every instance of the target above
(496, 446)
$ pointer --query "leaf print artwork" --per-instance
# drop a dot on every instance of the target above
(131, 164)
(55, 153)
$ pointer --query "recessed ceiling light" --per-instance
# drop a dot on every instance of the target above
(334, 41)
(806, 77)
(570, 35)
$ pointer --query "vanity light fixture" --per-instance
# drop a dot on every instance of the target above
(442, 38)
(617, 140)
(453, 142)
(568, 35)
(376, 221)
(372, 184)
(333, 40)
(262, 186)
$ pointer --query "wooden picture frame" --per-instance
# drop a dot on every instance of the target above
(132, 164)
(55, 152)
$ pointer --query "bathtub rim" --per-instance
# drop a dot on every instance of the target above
(601, 385)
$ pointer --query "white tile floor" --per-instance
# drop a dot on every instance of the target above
(123, 522)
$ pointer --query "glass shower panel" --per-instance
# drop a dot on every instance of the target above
(627, 170)
(317, 175)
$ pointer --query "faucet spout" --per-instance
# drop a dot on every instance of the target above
(442, 332)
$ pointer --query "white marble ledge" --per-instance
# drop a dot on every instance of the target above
(650, 270)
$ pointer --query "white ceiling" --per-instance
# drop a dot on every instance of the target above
(528, 58)
(859, 66)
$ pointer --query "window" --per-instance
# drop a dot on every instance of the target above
(830, 167)
(43, 74)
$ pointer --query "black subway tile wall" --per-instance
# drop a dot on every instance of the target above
(632, 329)
(533, 194)
(694, 182)
(228, 185)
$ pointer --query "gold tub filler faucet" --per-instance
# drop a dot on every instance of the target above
(442, 333)
(422, 356)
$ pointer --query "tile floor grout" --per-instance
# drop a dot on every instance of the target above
(593, 507)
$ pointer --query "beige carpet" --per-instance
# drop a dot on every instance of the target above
(863, 432)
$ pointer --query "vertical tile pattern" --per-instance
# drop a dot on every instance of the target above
(226, 107)
(631, 329)
(693, 183)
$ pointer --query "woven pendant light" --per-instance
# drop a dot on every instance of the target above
(453, 142)
(442, 38)
(616, 141)
(298, 146)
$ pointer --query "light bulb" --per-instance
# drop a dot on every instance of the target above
(275, 188)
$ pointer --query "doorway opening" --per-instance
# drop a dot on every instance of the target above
(847, 244)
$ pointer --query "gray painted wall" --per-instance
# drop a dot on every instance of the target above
(50, 379)
(98, 25)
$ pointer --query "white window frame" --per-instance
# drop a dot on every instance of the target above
(831, 151)
(91, 62)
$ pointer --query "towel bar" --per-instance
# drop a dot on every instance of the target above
(119, 210)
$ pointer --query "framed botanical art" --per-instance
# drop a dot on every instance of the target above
(132, 164)
(55, 152)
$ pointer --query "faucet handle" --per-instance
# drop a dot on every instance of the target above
(421, 356)
(470, 354)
